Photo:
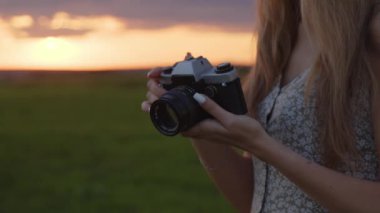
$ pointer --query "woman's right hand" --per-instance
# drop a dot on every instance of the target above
(155, 91)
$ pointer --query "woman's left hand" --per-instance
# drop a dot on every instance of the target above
(237, 130)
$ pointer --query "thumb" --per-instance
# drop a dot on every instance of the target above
(220, 114)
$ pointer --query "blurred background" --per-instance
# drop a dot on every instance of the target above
(72, 77)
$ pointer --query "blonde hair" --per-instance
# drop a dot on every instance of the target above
(339, 30)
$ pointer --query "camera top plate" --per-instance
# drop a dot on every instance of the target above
(201, 69)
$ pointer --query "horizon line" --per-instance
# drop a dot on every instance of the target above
(137, 69)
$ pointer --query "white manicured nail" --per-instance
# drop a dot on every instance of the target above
(199, 98)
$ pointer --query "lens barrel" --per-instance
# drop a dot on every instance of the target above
(176, 111)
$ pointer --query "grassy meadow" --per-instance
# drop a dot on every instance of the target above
(78, 142)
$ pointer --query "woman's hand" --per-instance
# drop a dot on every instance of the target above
(154, 89)
(237, 130)
(231, 172)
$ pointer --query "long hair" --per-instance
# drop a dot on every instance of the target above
(339, 31)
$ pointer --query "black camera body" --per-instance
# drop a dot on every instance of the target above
(177, 111)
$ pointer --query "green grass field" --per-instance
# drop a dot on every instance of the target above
(79, 143)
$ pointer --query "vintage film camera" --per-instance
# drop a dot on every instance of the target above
(177, 111)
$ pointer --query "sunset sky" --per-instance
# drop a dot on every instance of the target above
(122, 34)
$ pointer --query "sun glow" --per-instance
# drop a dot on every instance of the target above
(52, 52)
(106, 42)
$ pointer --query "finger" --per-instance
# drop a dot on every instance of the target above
(156, 72)
(151, 97)
(154, 88)
(145, 106)
(220, 114)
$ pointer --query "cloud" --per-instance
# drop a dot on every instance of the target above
(60, 24)
(233, 14)
(99, 34)
(107, 42)
(63, 20)
(21, 22)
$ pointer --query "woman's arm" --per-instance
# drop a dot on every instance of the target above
(333, 190)
(231, 172)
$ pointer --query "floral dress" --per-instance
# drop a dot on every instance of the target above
(286, 116)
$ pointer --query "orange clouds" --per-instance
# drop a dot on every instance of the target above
(63, 20)
(21, 22)
(106, 42)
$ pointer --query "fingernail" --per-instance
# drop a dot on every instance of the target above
(199, 98)
(147, 110)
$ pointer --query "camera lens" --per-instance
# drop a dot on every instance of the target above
(168, 119)
(176, 111)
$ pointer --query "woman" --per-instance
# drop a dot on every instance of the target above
(314, 125)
